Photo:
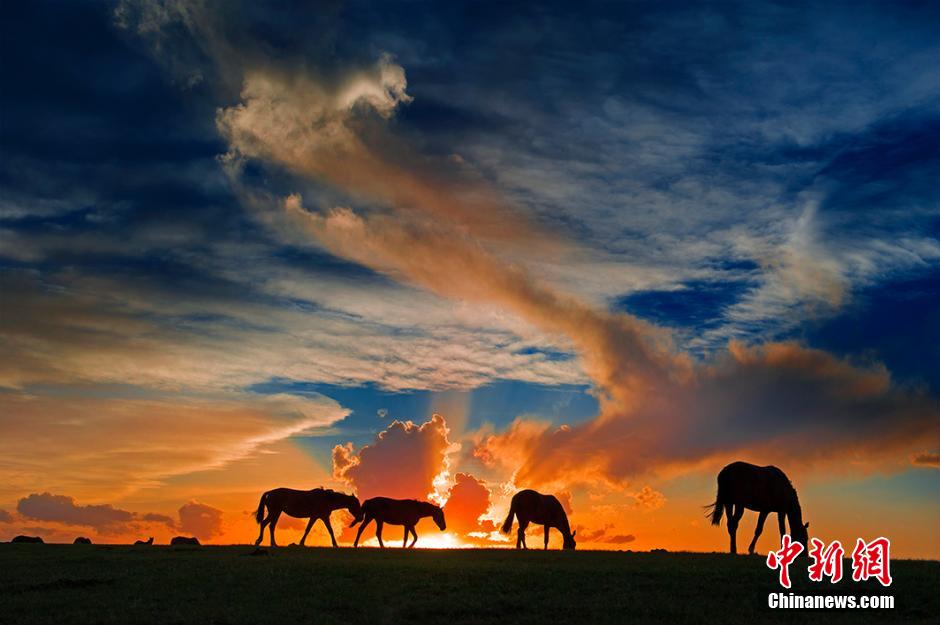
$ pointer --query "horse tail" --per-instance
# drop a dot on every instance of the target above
(507, 524)
(259, 515)
(717, 508)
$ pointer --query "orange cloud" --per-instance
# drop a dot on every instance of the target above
(778, 402)
(60, 508)
(200, 520)
(926, 460)
(649, 499)
(406, 461)
(107, 448)
(112, 523)
(602, 535)
(468, 500)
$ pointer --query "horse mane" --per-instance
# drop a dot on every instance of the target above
(796, 497)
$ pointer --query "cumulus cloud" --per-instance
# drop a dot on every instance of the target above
(200, 520)
(103, 518)
(406, 461)
(295, 120)
(195, 518)
(649, 499)
(467, 501)
(63, 509)
(779, 401)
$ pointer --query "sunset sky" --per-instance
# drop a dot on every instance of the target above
(447, 251)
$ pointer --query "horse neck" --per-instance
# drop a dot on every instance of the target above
(344, 501)
(563, 526)
(427, 508)
(795, 514)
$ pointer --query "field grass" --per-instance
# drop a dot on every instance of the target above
(134, 585)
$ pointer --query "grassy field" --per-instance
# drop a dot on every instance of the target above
(134, 585)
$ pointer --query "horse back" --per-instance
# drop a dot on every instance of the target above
(537, 508)
(299, 503)
(755, 487)
(394, 511)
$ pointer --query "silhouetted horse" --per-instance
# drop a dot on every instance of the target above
(405, 512)
(27, 539)
(81, 540)
(529, 506)
(303, 504)
(762, 489)
(149, 541)
(184, 540)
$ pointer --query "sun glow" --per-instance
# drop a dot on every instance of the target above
(425, 541)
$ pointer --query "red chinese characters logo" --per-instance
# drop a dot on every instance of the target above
(782, 559)
(827, 561)
(872, 560)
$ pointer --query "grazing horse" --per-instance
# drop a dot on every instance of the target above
(303, 504)
(762, 489)
(27, 539)
(405, 512)
(149, 541)
(531, 507)
(81, 540)
(184, 540)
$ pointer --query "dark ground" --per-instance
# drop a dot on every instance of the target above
(139, 585)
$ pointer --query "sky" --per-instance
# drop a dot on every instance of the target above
(450, 251)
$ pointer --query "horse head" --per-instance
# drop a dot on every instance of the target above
(438, 515)
(569, 542)
(354, 507)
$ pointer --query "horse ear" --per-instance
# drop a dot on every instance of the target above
(574, 533)
(806, 525)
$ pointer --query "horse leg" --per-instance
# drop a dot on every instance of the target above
(782, 522)
(522, 527)
(757, 531)
(733, 520)
(365, 522)
(729, 518)
(329, 528)
(404, 542)
(415, 535)
(546, 537)
(272, 522)
(378, 531)
(307, 531)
